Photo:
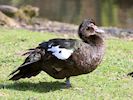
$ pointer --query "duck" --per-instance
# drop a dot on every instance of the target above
(63, 58)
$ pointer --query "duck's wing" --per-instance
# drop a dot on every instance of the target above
(60, 48)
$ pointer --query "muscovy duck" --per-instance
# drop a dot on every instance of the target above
(63, 58)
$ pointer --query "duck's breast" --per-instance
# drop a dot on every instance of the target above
(87, 57)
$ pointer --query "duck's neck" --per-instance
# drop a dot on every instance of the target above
(93, 40)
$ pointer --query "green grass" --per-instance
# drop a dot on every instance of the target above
(108, 81)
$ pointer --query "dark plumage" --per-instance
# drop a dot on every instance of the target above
(63, 58)
(130, 74)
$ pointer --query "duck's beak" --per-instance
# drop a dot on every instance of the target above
(96, 29)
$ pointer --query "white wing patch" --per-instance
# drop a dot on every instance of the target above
(61, 53)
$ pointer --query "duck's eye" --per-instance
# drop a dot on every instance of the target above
(90, 29)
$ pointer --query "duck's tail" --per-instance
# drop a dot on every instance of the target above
(30, 67)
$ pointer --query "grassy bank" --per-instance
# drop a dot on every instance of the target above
(108, 81)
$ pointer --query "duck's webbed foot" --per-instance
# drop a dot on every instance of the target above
(130, 74)
(68, 84)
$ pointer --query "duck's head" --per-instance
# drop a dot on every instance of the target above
(88, 28)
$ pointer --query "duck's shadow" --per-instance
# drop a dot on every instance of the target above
(36, 87)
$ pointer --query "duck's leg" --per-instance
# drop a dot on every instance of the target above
(68, 84)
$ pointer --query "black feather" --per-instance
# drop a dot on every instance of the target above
(26, 70)
(43, 45)
(130, 74)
